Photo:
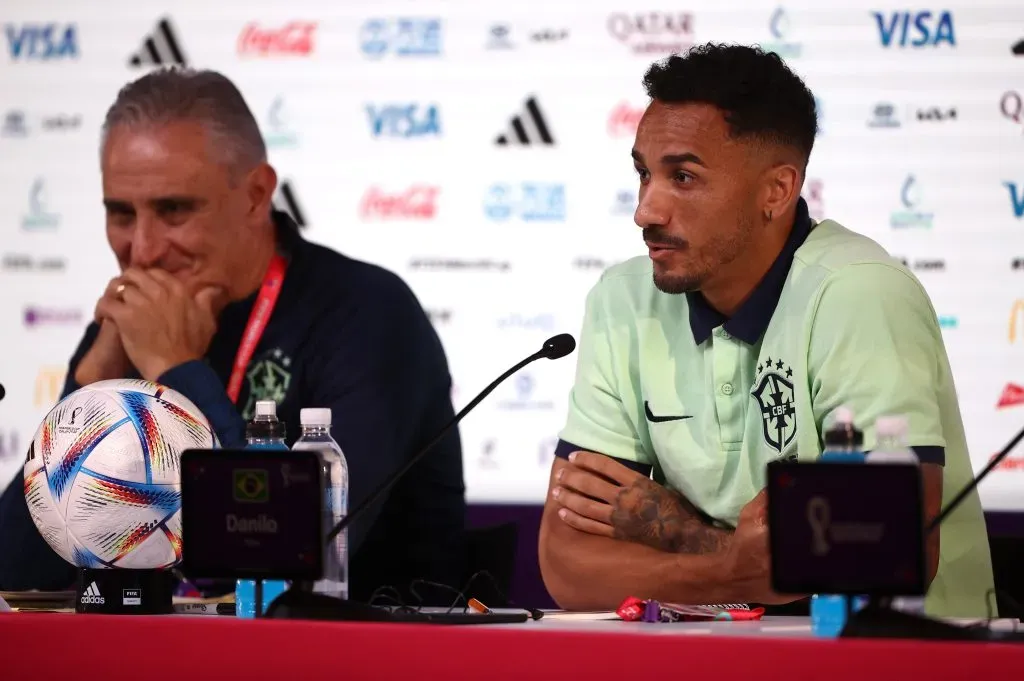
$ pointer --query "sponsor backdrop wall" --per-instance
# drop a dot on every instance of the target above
(481, 151)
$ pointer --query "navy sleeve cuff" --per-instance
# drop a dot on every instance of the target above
(564, 449)
(932, 454)
(199, 383)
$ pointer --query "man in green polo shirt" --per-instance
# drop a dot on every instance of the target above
(727, 348)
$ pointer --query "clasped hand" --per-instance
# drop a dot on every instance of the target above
(159, 323)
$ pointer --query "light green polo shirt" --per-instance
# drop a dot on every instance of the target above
(852, 326)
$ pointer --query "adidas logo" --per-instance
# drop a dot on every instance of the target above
(160, 48)
(287, 201)
(92, 596)
(527, 128)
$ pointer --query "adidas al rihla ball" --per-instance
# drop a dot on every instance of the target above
(103, 476)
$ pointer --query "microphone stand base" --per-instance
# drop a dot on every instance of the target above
(874, 621)
(299, 604)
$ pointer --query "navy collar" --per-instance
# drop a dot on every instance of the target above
(751, 320)
(288, 237)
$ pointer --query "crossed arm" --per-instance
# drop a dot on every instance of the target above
(608, 533)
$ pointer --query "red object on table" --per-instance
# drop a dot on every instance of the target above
(168, 648)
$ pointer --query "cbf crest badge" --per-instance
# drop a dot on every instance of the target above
(773, 391)
(268, 379)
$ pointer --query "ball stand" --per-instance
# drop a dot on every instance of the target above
(124, 592)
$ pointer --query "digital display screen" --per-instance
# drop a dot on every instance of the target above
(846, 528)
(252, 513)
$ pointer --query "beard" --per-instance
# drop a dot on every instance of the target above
(718, 252)
(675, 284)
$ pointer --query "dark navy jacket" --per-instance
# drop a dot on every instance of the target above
(346, 335)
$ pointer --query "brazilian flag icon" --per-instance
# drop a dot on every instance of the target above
(250, 486)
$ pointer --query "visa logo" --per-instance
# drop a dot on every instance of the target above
(915, 29)
(404, 120)
(1016, 198)
(42, 42)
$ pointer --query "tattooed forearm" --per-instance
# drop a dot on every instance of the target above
(647, 513)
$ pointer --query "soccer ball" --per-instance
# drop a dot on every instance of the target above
(103, 477)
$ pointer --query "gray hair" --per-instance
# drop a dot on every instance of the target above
(182, 94)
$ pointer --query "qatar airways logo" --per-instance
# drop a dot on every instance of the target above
(651, 33)
(294, 38)
(624, 120)
(418, 202)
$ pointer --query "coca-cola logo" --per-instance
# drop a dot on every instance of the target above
(1010, 463)
(653, 32)
(624, 120)
(295, 38)
(418, 202)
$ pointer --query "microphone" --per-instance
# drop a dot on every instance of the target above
(3, 393)
(298, 603)
(555, 347)
(876, 620)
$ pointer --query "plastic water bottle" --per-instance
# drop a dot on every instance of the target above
(316, 435)
(263, 432)
(843, 443)
(891, 447)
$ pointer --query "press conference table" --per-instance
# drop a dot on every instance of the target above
(180, 648)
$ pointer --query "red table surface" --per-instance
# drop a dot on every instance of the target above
(45, 646)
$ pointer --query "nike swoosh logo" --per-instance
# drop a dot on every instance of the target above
(661, 419)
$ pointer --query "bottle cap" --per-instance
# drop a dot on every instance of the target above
(842, 432)
(891, 426)
(266, 408)
(315, 416)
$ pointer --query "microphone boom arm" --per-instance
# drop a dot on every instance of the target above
(394, 478)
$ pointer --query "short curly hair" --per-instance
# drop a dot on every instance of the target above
(759, 95)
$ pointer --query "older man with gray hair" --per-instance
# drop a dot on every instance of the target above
(207, 265)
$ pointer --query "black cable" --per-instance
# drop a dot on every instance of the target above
(383, 591)
(459, 595)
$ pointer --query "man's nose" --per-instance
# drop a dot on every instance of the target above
(654, 208)
(149, 244)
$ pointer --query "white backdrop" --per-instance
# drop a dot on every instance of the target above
(383, 121)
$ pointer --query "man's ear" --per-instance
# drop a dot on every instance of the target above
(260, 185)
(781, 189)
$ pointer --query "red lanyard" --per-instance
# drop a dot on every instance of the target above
(258, 319)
